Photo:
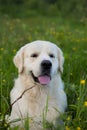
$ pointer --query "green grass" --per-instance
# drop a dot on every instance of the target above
(71, 37)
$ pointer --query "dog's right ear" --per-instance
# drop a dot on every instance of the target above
(19, 60)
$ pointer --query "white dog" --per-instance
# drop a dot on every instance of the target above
(38, 91)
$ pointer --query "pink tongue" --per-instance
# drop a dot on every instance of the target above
(44, 79)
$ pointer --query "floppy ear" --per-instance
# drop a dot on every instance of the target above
(18, 60)
(61, 60)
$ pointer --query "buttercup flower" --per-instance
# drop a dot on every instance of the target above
(2, 49)
(14, 50)
(68, 118)
(74, 49)
(82, 82)
(67, 128)
(78, 128)
(85, 103)
(4, 80)
(5, 125)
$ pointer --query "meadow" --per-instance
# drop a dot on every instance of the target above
(71, 36)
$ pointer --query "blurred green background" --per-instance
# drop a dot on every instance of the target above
(65, 8)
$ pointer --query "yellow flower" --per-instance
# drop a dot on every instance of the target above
(4, 80)
(67, 128)
(82, 82)
(5, 125)
(74, 49)
(79, 119)
(14, 50)
(68, 118)
(78, 98)
(2, 49)
(85, 103)
(78, 128)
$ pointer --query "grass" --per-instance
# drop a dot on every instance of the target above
(71, 37)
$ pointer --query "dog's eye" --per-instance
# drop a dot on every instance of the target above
(51, 55)
(34, 55)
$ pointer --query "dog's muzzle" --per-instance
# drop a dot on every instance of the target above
(46, 66)
(45, 77)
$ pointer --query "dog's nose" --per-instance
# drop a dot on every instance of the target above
(46, 64)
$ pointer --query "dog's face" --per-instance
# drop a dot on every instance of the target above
(40, 59)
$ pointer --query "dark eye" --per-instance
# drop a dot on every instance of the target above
(34, 55)
(51, 55)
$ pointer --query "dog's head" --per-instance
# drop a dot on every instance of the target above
(40, 59)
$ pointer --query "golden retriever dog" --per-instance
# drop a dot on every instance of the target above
(38, 91)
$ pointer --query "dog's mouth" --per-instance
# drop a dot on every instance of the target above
(42, 79)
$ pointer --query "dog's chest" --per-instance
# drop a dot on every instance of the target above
(42, 101)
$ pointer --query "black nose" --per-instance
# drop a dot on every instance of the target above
(46, 64)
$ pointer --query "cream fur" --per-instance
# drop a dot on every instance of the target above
(33, 101)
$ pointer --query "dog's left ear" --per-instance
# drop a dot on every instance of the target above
(61, 60)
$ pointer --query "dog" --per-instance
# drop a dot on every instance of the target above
(39, 90)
